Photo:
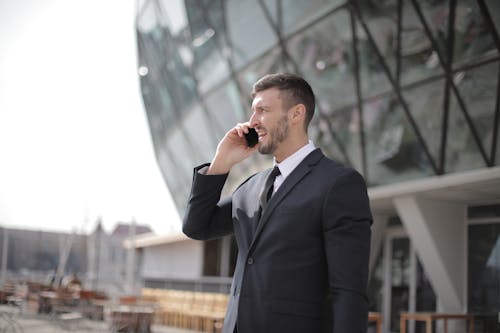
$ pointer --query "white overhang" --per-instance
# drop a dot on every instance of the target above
(148, 240)
(475, 187)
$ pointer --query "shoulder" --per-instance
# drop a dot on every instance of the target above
(337, 172)
(249, 180)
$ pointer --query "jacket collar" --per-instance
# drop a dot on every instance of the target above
(300, 172)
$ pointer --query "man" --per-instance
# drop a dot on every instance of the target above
(303, 253)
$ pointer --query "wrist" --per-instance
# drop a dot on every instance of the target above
(218, 168)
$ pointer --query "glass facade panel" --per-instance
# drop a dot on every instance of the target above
(373, 78)
(419, 59)
(248, 31)
(207, 63)
(272, 62)
(489, 211)
(472, 36)
(493, 7)
(497, 153)
(206, 137)
(342, 135)
(376, 283)
(225, 107)
(400, 280)
(426, 298)
(207, 33)
(381, 17)
(297, 13)
(426, 106)
(435, 15)
(174, 176)
(324, 56)
(166, 81)
(478, 88)
(325, 136)
(462, 152)
(393, 151)
(183, 152)
(484, 268)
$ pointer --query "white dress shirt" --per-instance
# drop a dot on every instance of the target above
(290, 163)
(286, 166)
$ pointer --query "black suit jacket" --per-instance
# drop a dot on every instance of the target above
(303, 262)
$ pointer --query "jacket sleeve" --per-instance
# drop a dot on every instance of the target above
(346, 227)
(207, 216)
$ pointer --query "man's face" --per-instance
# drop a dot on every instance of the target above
(270, 120)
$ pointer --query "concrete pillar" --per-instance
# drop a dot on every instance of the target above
(130, 269)
(378, 229)
(437, 230)
(5, 248)
(225, 256)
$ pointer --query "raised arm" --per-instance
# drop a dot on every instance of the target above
(207, 216)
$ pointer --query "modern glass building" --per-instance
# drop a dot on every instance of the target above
(407, 93)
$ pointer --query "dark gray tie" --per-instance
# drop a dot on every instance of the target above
(267, 192)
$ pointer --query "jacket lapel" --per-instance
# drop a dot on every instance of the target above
(297, 174)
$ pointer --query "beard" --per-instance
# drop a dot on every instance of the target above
(275, 136)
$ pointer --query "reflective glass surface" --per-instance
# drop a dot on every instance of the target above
(340, 136)
(206, 136)
(400, 279)
(491, 211)
(324, 56)
(462, 152)
(484, 268)
(478, 89)
(493, 7)
(271, 62)
(426, 106)
(248, 31)
(207, 42)
(419, 59)
(198, 60)
(381, 19)
(472, 37)
(225, 107)
(393, 150)
(297, 13)
(376, 283)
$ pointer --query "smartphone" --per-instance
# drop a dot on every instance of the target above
(252, 137)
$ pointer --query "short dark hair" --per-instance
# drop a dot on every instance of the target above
(297, 90)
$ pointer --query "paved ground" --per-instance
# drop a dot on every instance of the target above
(13, 322)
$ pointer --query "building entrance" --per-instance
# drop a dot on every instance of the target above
(405, 287)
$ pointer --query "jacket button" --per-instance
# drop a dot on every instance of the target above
(250, 261)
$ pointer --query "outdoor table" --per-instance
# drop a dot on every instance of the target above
(428, 317)
(46, 299)
(131, 318)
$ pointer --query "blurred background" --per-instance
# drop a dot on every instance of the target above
(105, 108)
(74, 139)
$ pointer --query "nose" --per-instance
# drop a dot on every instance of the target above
(254, 120)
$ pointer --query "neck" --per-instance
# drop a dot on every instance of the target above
(290, 146)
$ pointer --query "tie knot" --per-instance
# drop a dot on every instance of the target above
(275, 172)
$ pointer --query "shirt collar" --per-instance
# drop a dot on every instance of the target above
(290, 163)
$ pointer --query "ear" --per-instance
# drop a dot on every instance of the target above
(298, 113)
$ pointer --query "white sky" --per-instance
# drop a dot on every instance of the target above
(74, 137)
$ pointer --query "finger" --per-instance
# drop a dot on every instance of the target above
(241, 129)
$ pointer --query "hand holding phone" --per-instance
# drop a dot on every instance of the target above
(251, 137)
